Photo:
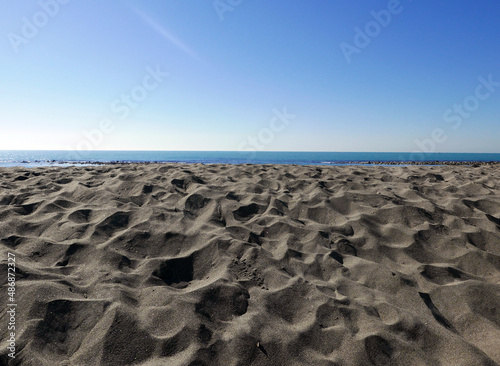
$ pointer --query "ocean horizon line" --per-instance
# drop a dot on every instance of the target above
(34, 158)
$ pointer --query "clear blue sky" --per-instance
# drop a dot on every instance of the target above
(68, 67)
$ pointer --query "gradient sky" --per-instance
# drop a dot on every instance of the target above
(68, 67)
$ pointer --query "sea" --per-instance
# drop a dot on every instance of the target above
(32, 158)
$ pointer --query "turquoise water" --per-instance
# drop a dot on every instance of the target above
(45, 158)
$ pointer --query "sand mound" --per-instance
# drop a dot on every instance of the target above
(252, 265)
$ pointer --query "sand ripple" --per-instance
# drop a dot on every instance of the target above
(253, 265)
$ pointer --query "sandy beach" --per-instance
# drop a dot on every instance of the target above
(177, 264)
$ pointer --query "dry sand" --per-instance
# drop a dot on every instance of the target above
(253, 265)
